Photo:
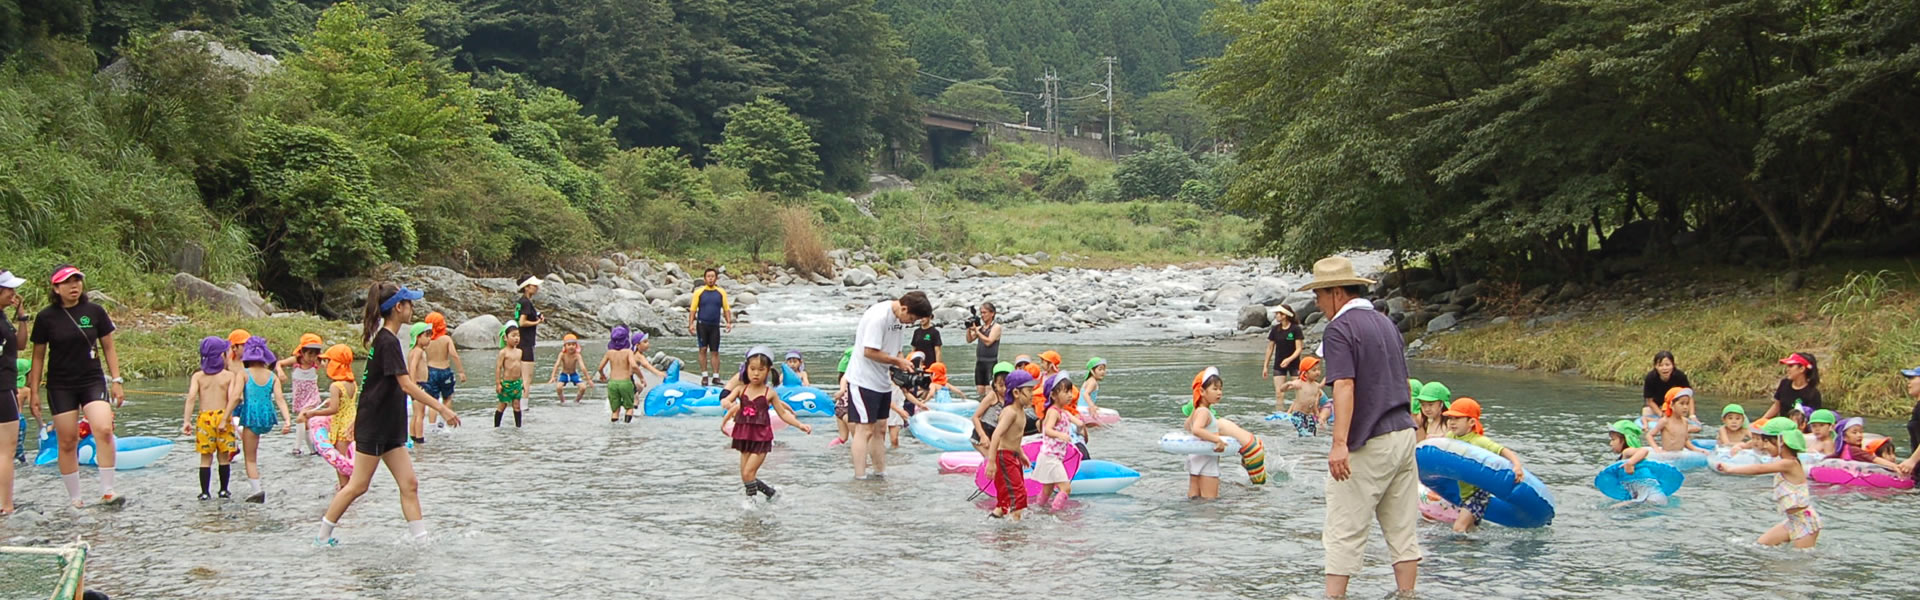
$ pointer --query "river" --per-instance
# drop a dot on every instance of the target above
(571, 506)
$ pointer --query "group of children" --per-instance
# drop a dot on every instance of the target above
(1028, 398)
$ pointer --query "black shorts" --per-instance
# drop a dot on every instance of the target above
(709, 334)
(526, 350)
(9, 407)
(62, 401)
(1292, 370)
(869, 406)
(983, 373)
(373, 448)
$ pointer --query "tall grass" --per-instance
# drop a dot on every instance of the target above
(806, 248)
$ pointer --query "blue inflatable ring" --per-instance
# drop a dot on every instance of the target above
(1446, 463)
(1613, 480)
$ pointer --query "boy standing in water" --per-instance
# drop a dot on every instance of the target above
(1307, 393)
(1006, 461)
(506, 387)
(620, 363)
(1673, 430)
(443, 359)
(212, 387)
(566, 371)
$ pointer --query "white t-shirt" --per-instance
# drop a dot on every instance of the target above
(879, 330)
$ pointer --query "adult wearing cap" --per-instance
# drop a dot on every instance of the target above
(11, 339)
(71, 337)
(528, 318)
(380, 420)
(1373, 476)
(1285, 344)
(706, 313)
(877, 341)
(1801, 386)
(985, 335)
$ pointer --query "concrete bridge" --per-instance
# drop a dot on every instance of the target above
(953, 133)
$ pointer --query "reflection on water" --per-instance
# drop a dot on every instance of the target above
(573, 506)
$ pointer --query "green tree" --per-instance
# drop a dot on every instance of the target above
(764, 139)
(980, 99)
(1157, 172)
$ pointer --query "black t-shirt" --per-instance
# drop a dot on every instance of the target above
(9, 350)
(1785, 396)
(1657, 390)
(523, 309)
(382, 418)
(70, 333)
(925, 341)
(1285, 342)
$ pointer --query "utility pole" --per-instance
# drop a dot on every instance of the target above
(1109, 133)
(1050, 99)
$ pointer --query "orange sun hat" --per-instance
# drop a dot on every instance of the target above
(1467, 408)
(1307, 364)
(438, 322)
(339, 362)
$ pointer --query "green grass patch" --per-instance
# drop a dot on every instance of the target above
(161, 345)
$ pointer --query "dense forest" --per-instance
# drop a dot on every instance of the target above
(1501, 135)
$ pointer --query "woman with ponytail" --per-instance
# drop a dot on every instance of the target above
(380, 425)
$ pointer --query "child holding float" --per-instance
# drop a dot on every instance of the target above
(342, 402)
(506, 386)
(1203, 470)
(1463, 421)
(1005, 461)
(1674, 431)
(798, 364)
(1733, 436)
(211, 390)
(1853, 446)
(1624, 439)
(1309, 397)
(752, 430)
(260, 407)
(986, 417)
(1791, 495)
(1057, 426)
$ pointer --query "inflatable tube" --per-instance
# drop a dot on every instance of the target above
(1857, 474)
(1618, 485)
(1107, 416)
(1685, 460)
(1434, 508)
(672, 395)
(1181, 442)
(1753, 457)
(130, 452)
(320, 433)
(946, 431)
(1032, 450)
(1102, 477)
(1446, 463)
(960, 462)
(805, 400)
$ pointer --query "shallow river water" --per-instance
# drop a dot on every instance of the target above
(571, 506)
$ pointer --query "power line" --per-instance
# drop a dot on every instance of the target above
(982, 85)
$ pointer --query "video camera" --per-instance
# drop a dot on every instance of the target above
(917, 379)
(973, 320)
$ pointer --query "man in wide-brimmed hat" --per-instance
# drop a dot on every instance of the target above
(1371, 462)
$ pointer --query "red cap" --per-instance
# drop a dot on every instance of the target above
(65, 272)
(1795, 359)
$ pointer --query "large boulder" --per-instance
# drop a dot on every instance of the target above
(634, 314)
(660, 293)
(481, 332)
(233, 299)
(1443, 322)
(1253, 315)
(861, 277)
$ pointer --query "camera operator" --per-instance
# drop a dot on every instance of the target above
(876, 340)
(982, 330)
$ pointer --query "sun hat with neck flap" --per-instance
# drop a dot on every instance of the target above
(339, 362)
(1334, 271)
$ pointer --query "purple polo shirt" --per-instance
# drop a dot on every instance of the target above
(1364, 346)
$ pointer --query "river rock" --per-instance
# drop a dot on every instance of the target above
(1443, 322)
(861, 277)
(1099, 313)
(233, 299)
(1253, 315)
(481, 332)
(949, 314)
(1396, 306)
(745, 299)
(633, 314)
(660, 293)
(1041, 256)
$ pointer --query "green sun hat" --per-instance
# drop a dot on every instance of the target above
(845, 358)
(1788, 433)
(1733, 409)
(1413, 402)
(1823, 416)
(1092, 363)
(503, 333)
(999, 368)
(1435, 391)
(1630, 430)
(23, 365)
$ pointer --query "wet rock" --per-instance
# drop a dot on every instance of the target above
(1253, 315)
(1396, 306)
(478, 333)
(1443, 322)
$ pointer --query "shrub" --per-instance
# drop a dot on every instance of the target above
(1155, 173)
(806, 249)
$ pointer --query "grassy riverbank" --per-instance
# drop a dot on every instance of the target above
(1728, 329)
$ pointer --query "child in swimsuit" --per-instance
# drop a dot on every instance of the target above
(753, 424)
(1782, 439)
(1820, 432)
(507, 390)
(210, 390)
(1624, 438)
(1307, 391)
(1463, 421)
(443, 361)
(261, 408)
(1855, 447)
(1203, 470)
(1733, 436)
(1432, 400)
(303, 369)
(1090, 391)
(799, 366)
(566, 371)
(1674, 430)
(342, 400)
(420, 335)
(1057, 426)
(1005, 461)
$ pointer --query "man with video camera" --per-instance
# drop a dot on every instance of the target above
(982, 330)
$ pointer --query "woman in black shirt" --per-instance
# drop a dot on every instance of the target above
(70, 337)
(10, 341)
(1800, 387)
(1664, 376)
(380, 427)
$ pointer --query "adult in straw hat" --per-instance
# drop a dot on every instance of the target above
(1371, 463)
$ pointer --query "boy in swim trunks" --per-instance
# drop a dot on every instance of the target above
(1005, 462)
(443, 360)
(212, 387)
(623, 359)
(1307, 393)
(566, 371)
(1674, 431)
(1463, 421)
(506, 368)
